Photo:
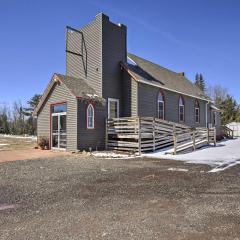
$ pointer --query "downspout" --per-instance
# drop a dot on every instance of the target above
(207, 114)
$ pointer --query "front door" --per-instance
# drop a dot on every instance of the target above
(59, 127)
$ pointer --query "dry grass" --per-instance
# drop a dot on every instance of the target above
(16, 143)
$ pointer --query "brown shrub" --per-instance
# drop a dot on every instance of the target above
(43, 143)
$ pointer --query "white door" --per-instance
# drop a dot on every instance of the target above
(59, 133)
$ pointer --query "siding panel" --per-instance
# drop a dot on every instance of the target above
(93, 39)
(59, 93)
(147, 105)
(94, 138)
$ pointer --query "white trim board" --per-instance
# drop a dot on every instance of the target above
(113, 100)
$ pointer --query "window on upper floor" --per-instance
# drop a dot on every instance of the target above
(161, 105)
(181, 108)
(90, 117)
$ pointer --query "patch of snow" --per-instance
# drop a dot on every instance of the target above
(18, 136)
(103, 170)
(178, 169)
(226, 154)
(110, 155)
(4, 144)
(131, 62)
(92, 95)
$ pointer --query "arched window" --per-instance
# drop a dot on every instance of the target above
(181, 107)
(197, 112)
(90, 117)
(161, 105)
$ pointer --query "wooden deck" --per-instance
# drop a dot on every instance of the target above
(142, 134)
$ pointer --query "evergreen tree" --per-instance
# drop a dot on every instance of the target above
(200, 82)
(197, 79)
(229, 110)
(33, 102)
(30, 123)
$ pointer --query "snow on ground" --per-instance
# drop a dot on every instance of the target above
(110, 155)
(18, 136)
(4, 144)
(226, 154)
(178, 169)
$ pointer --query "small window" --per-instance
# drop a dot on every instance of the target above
(161, 106)
(197, 112)
(113, 108)
(58, 108)
(181, 110)
(90, 117)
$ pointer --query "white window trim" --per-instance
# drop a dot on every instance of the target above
(181, 105)
(163, 109)
(113, 100)
(93, 125)
(198, 120)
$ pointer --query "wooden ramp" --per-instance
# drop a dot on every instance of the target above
(143, 134)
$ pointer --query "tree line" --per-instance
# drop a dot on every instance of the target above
(230, 109)
(19, 120)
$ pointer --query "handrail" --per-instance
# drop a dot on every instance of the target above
(148, 133)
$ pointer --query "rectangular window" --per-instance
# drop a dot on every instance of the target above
(181, 113)
(58, 108)
(161, 109)
(197, 115)
(113, 108)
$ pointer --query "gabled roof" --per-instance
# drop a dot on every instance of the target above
(77, 87)
(150, 73)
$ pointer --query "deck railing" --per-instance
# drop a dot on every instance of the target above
(227, 132)
(141, 134)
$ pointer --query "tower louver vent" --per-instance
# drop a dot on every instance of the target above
(75, 44)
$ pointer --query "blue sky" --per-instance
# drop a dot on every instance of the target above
(183, 35)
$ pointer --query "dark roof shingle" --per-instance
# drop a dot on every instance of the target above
(149, 72)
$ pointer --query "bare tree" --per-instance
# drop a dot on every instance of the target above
(217, 93)
(4, 119)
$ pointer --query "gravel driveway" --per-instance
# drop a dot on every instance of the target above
(73, 197)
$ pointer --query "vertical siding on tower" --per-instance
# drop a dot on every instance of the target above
(93, 39)
(59, 93)
(114, 52)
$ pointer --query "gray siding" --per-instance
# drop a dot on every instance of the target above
(114, 51)
(129, 96)
(134, 98)
(127, 92)
(59, 93)
(94, 138)
(147, 105)
(93, 39)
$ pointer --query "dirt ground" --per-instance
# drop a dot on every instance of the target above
(76, 197)
(15, 149)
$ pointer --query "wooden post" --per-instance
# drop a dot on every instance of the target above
(154, 142)
(135, 125)
(106, 134)
(175, 143)
(215, 137)
(194, 141)
(208, 136)
(139, 136)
